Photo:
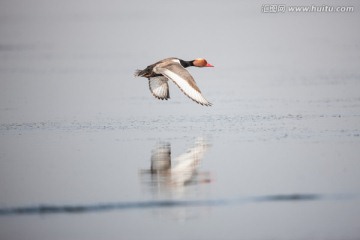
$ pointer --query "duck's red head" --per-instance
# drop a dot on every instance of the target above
(200, 62)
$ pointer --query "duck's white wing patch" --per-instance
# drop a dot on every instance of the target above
(159, 87)
(185, 85)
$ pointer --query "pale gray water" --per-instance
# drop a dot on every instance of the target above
(279, 152)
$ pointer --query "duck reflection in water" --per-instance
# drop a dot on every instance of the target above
(182, 171)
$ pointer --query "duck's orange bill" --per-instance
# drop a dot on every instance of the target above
(209, 65)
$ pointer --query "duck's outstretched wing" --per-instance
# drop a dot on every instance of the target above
(159, 87)
(182, 78)
(186, 165)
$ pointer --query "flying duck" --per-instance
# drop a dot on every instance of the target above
(174, 69)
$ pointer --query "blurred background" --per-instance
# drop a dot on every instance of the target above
(80, 134)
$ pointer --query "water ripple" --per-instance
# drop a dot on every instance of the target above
(118, 206)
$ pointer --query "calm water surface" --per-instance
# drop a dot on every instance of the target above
(86, 152)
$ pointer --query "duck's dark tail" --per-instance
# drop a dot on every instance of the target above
(147, 72)
(138, 73)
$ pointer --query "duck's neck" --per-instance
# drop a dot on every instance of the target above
(186, 64)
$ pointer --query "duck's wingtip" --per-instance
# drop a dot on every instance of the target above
(209, 104)
(206, 104)
(161, 98)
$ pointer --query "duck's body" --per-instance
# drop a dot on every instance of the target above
(174, 69)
